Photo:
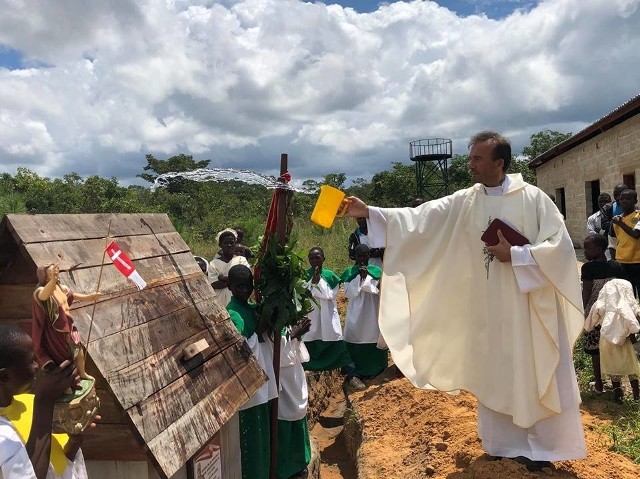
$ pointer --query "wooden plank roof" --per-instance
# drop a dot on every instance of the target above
(137, 338)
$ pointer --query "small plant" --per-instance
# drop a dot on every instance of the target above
(625, 432)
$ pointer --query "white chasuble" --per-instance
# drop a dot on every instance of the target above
(455, 318)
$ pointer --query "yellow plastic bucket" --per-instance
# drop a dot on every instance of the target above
(327, 206)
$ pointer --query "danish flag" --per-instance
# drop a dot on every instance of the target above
(124, 264)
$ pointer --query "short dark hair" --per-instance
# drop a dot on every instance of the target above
(618, 189)
(361, 248)
(629, 191)
(605, 196)
(598, 240)
(9, 336)
(501, 150)
(239, 274)
(317, 248)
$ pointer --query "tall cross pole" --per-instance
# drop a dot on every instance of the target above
(281, 232)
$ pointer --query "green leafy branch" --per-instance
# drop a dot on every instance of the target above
(284, 298)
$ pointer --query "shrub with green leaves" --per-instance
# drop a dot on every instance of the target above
(284, 298)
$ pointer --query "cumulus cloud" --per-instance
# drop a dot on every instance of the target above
(239, 82)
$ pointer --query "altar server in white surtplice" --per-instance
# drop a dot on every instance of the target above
(324, 339)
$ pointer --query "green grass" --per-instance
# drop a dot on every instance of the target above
(334, 241)
(625, 431)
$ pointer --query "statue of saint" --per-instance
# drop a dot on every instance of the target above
(55, 337)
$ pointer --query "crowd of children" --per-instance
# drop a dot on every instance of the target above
(317, 344)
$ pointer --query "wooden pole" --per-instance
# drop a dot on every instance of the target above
(281, 231)
(104, 253)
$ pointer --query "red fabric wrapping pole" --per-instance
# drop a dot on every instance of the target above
(275, 228)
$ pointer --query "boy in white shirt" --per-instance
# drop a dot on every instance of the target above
(28, 450)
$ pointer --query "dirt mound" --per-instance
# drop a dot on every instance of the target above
(411, 433)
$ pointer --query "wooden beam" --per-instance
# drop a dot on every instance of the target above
(62, 227)
(88, 252)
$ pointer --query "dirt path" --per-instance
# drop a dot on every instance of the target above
(329, 433)
(414, 434)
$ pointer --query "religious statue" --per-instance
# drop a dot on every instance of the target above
(56, 339)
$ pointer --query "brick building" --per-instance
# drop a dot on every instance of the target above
(592, 161)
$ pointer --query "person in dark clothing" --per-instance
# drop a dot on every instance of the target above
(360, 236)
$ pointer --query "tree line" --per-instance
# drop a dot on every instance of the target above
(199, 209)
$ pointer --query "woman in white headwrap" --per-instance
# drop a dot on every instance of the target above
(220, 265)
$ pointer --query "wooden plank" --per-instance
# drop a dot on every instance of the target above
(42, 228)
(112, 442)
(137, 307)
(182, 439)
(117, 469)
(144, 378)
(88, 252)
(18, 267)
(131, 345)
(110, 410)
(159, 411)
(12, 294)
(154, 271)
(15, 300)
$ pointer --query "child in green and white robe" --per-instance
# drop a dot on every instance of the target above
(361, 331)
(254, 415)
(294, 447)
(324, 339)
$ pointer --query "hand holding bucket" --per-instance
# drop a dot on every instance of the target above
(330, 204)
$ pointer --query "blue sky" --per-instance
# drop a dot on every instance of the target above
(491, 8)
(10, 58)
(93, 90)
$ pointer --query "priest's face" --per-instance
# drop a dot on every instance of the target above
(484, 169)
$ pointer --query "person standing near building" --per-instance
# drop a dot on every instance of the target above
(499, 321)
(624, 239)
(617, 191)
(595, 224)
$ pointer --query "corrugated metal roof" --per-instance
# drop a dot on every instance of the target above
(622, 113)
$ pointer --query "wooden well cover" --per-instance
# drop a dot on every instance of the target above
(138, 337)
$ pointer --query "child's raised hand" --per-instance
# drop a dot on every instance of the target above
(303, 327)
(363, 272)
(316, 275)
(50, 385)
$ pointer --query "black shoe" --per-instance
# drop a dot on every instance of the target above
(532, 466)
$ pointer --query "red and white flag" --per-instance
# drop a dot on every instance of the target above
(124, 264)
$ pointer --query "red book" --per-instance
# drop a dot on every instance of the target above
(513, 236)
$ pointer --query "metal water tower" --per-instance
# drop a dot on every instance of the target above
(432, 158)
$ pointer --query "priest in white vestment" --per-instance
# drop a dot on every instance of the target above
(500, 321)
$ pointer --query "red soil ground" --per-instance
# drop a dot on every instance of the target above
(411, 433)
